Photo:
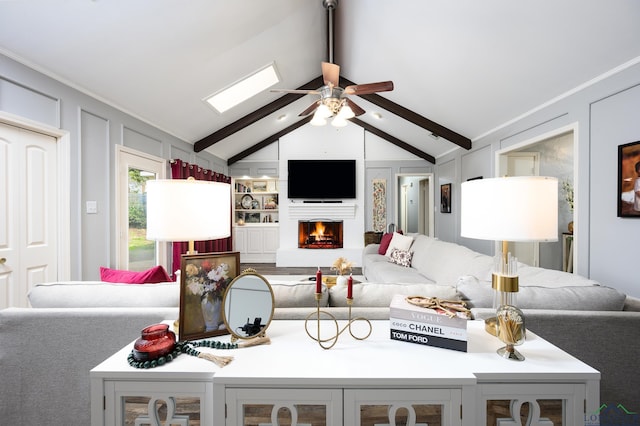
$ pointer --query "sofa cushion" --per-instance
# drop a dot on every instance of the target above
(380, 295)
(378, 269)
(401, 257)
(399, 241)
(443, 262)
(154, 275)
(587, 297)
(97, 294)
(296, 295)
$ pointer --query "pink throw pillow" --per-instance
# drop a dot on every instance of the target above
(155, 275)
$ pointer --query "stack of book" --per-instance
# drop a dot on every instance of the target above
(431, 327)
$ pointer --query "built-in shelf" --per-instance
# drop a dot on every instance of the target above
(255, 201)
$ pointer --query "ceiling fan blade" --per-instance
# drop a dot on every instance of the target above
(296, 91)
(366, 89)
(355, 108)
(310, 109)
(331, 74)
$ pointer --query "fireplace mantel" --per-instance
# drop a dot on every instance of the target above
(322, 210)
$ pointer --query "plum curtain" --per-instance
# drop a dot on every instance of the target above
(184, 170)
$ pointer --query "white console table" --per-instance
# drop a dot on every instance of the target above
(374, 378)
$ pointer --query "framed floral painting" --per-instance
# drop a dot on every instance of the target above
(204, 278)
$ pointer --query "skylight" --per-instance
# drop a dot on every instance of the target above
(244, 89)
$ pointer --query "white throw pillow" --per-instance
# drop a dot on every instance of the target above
(400, 242)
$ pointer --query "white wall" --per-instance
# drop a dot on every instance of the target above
(324, 143)
(615, 241)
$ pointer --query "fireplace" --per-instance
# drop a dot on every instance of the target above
(320, 234)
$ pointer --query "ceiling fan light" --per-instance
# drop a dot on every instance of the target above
(323, 111)
(346, 113)
(318, 119)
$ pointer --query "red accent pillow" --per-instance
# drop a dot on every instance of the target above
(155, 275)
(384, 243)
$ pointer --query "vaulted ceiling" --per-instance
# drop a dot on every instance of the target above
(461, 68)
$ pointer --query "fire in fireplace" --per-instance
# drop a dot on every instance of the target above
(320, 234)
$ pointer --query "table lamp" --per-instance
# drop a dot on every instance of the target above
(188, 210)
(517, 209)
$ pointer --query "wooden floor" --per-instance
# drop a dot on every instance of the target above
(272, 269)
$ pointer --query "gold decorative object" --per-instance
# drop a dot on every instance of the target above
(511, 330)
(342, 265)
(329, 281)
(329, 341)
(449, 307)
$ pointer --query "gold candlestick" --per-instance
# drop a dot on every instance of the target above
(329, 342)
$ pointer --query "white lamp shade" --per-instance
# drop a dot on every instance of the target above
(523, 208)
(188, 210)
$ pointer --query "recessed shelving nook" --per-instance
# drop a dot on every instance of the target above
(255, 219)
(255, 201)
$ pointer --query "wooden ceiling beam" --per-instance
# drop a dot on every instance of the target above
(413, 117)
(397, 142)
(256, 115)
(268, 141)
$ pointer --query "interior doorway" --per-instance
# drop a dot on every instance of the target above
(34, 235)
(551, 154)
(414, 203)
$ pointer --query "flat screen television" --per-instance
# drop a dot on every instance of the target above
(321, 179)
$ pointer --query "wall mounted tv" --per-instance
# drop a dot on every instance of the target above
(322, 179)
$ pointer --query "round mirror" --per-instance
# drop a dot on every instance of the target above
(248, 305)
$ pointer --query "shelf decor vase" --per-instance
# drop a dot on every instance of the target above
(155, 341)
(211, 310)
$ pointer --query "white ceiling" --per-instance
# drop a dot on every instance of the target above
(469, 65)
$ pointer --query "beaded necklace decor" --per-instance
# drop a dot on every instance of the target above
(184, 347)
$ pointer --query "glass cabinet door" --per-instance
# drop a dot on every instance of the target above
(284, 407)
(139, 403)
(410, 407)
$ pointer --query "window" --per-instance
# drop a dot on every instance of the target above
(134, 251)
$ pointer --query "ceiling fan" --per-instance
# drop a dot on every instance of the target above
(333, 100)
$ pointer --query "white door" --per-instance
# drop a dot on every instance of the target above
(28, 213)
(135, 252)
(524, 164)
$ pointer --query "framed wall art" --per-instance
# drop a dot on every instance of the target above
(204, 278)
(379, 205)
(445, 198)
(629, 180)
